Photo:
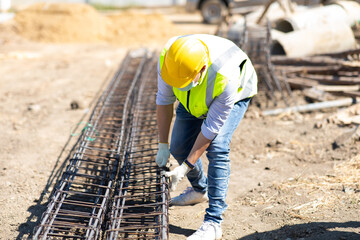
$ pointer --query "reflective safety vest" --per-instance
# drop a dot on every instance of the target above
(198, 100)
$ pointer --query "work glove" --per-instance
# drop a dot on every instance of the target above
(177, 175)
(163, 154)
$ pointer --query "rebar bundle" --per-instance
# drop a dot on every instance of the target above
(140, 206)
(114, 154)
(255, 41)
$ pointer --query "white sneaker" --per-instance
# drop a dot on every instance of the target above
(208, 231)
(189, 197)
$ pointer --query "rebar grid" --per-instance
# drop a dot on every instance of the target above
(256, 42)
(257, 45)
(81, 198)
(140, 205)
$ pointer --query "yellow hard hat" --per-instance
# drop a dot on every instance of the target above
(183, 61)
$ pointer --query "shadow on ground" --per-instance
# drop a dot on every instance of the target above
(27, 228)
(180, 231)
(311, 231)
(186, 22)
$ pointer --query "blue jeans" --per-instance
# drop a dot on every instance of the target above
(185, 131)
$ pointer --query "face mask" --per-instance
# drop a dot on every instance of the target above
(188, 87)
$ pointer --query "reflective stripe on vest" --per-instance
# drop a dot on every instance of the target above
(212, 86)
(214, 68)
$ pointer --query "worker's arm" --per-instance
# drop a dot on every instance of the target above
(200, 145)
(165, 99)
(218, 113)
(164, 116)
(180, 172)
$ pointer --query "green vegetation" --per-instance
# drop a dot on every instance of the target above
(102, 7)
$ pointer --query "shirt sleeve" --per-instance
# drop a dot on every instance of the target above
(219, 111)
(165, 94)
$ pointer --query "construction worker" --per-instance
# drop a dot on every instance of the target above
(213, 80)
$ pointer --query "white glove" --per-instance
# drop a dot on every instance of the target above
(163, 154)
(177, 175)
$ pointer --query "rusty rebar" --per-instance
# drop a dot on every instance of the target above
(79, 205)
(140, 205)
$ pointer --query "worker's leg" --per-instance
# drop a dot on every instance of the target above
(219, 163)
(185, 131)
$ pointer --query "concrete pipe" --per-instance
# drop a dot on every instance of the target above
(312, 18)
(326, 39)
(5, 5)
(352, 9)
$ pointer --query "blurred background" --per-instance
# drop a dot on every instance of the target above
(295, 157)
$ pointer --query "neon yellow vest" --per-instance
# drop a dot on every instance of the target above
(198, 100)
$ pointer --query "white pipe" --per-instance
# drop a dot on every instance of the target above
(312, 106)
(5, 5)
(312, 18)
(324, 39)
(352, 9)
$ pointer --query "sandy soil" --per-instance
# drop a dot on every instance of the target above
(288, 180)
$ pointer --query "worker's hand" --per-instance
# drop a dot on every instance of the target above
(163, 154)
(177, 175)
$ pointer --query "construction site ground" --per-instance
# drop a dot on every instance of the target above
(288, 178)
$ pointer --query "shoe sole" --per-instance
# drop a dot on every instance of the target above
(189, 204)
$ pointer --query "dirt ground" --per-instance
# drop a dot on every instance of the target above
(288, 178)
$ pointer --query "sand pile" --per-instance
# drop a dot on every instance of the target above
(61, 23)
(131, 27)
(64, 22)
